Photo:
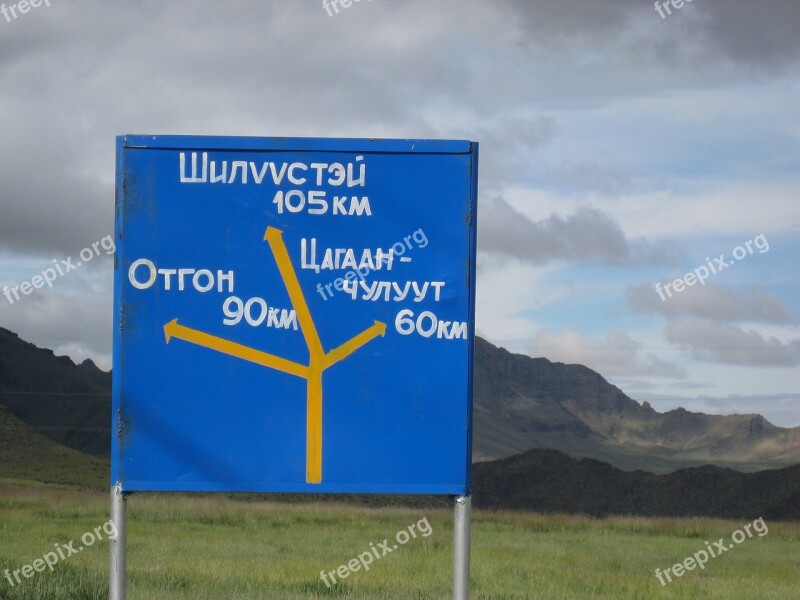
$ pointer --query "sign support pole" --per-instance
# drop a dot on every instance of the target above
(117, 574)
(461, 539)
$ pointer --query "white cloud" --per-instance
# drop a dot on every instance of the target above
(711, 301)
(729, 344)
(588, 236)
(72, 318)
(617, 354)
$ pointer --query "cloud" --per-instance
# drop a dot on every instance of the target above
(710, 341)
(574, 17)
(587, 236)
(763, 33)
(618, 354)
(74, 317)
(712, 302)
(506, 148)
(593, 177)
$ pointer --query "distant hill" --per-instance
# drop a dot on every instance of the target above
(68, 403)
(522, 403)
(27, 455)
(548, 481)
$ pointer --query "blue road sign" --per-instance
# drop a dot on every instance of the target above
(294, 315)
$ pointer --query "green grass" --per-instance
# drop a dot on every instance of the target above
(217, 547)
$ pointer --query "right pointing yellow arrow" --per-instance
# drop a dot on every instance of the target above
(354, 344)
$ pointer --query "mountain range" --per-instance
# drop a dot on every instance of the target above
(520, 403)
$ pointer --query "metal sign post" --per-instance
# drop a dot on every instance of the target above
(462, 521)
(117, 574)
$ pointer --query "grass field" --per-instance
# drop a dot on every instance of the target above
(217, 547)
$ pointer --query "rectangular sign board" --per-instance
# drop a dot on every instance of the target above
(294, 315)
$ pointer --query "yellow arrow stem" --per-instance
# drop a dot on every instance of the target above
(314, 426)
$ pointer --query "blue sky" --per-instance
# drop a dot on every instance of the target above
(618, 150)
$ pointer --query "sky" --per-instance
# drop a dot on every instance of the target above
(622, 147)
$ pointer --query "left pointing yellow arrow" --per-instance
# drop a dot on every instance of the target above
(193, 336)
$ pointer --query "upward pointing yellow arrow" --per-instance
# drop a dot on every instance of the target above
(275, 239)
(318, 360)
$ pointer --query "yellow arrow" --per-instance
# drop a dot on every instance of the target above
(354, 344)
(275, 238)
(193, 336)
(317, 363)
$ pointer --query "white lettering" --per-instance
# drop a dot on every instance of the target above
(132, 274)
(193, 178)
